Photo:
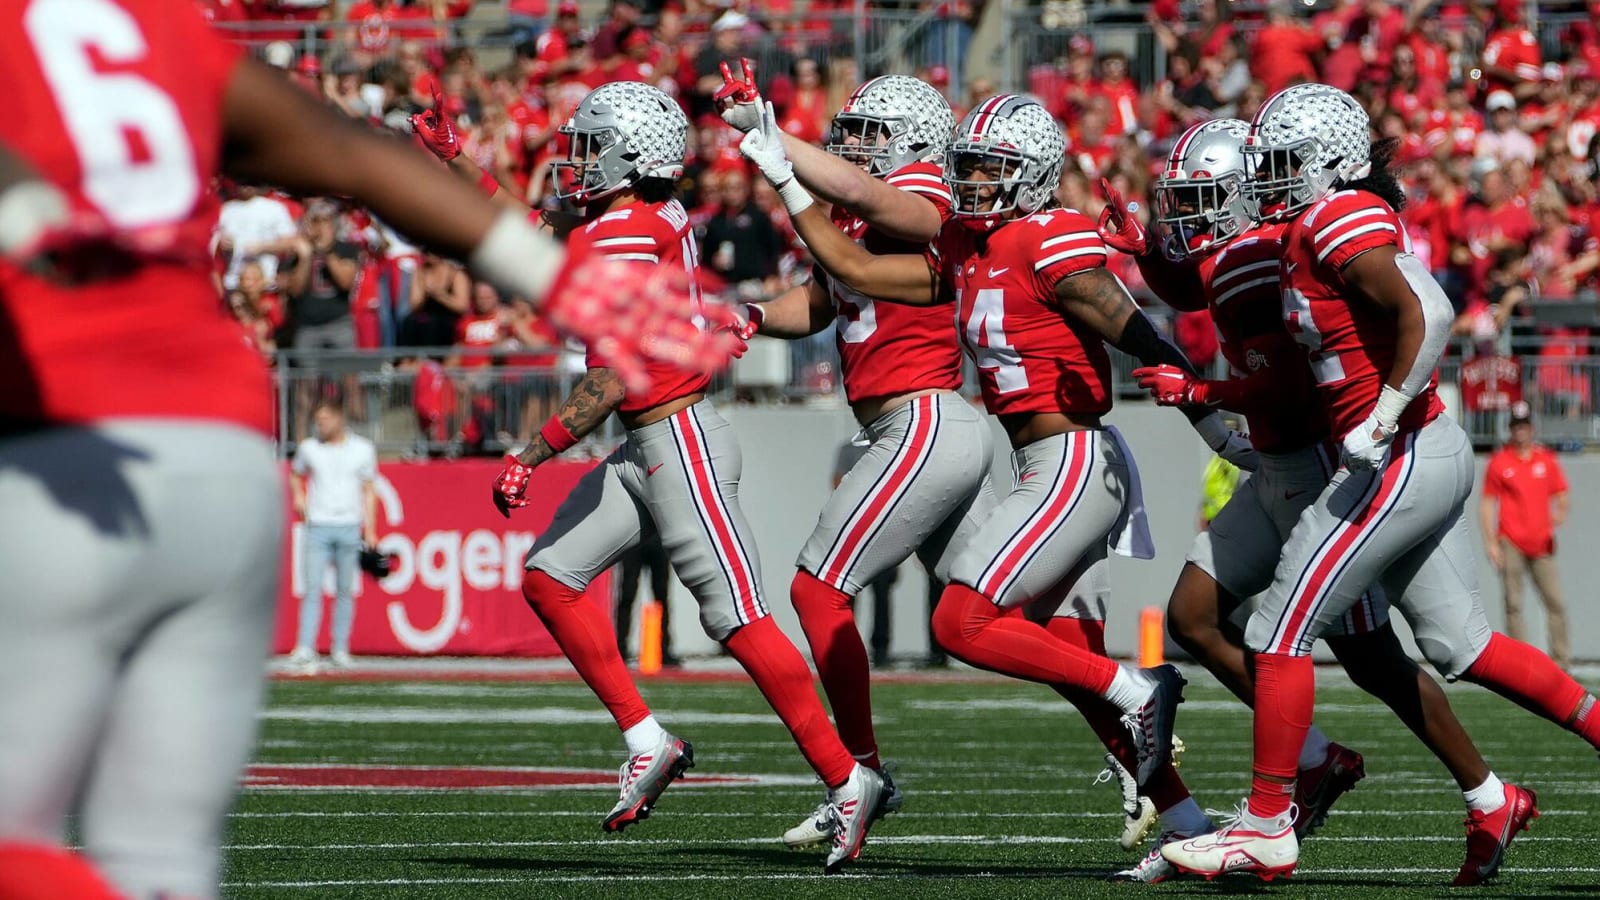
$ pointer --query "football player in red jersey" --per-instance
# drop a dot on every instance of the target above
(1214, 257)
(1034, 308)
(677, 474)
(915, 489)
(1372, 324)
(140, 502)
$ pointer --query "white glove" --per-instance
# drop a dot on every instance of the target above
(1227, 443)
(1367, 447)
(764, 147)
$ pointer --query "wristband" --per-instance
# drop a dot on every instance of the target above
(487, 184)
(755, 315)
(557, 435)
(1392, 404)
(27, 211)
(795, 198)
(517, 258)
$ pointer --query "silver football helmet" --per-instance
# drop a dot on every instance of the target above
(1016, 146)
(1304, 141)
(1200, 194)
(889, 122)
(621, 132)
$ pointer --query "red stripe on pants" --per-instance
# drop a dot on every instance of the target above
(709, 499)
(900, 473)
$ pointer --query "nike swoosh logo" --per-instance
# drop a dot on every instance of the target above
(1290, 495)
(652, 470)
(996, 273)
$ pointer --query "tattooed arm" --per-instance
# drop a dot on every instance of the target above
(592, 399)
(1097, 299)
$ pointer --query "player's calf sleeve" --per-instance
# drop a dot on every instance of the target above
(1525, 676)
(841, 660)
(782, 677)
(972, 629)
(1285, 696)
(583, 632)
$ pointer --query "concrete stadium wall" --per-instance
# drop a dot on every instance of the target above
(788, 461)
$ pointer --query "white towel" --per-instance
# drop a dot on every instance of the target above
(1131, 535)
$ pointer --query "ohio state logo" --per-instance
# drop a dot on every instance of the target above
(1255, 360)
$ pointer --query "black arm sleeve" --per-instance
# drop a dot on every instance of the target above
(1141, 341)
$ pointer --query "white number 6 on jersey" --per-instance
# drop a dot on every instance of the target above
(102, 109)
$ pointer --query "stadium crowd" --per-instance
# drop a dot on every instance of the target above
(1497, 139)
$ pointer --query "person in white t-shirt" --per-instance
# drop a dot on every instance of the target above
(253, 224)
(333, 493)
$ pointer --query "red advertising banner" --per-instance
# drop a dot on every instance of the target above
(456, 589)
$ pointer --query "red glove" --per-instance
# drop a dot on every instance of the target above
(738, 101)
(1172, 386)
(1117, 227)
(436, 131)
(749, 319)
(511, 487)
(628, 313)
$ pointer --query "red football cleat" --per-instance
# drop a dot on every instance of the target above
(1316, 789)
(1488, 835)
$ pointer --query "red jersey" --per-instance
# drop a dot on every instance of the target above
(1516, 50)
(1524, 488)
(1350, 342)
(479, 332)
(656, 233)
(888, 349)
(1031, 358)
(123, 105)
(1240, 282)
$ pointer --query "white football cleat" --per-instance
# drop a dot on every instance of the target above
(1154, 868)
(815, 829)
(856, 805)
(341, 659)
(1138, 813)
(644, 777)
(1236, 847)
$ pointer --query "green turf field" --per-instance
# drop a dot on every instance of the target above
(999, 781)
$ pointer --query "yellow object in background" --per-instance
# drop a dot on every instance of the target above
(1217, 485)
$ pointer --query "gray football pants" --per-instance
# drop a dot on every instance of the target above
(1400, 527)
(680, 478)
(922, 487)
(141, 570)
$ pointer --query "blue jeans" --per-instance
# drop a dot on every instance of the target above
(394, 300)
(341, 543)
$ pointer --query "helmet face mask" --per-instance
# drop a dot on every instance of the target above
(1200, 195)
(1280, 184)
(621, 132)
(889, 123)
(865, 141)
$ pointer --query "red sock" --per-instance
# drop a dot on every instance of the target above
(585, 635)
(780, 672)
(1165, 789)
(1286, 693)
(841, 660)
(972, 629)
(1525, 676)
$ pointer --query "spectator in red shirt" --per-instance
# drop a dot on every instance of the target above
(806, 114)
(607, 41)
(372, 20)
(1284, 51)
(1511, 57)
(556, 52)
(483, 328)
(1497, 221)
(1120, 94)
(636, 59)
(1524, 502)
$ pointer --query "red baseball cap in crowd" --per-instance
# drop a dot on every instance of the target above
(567, 8)
(1509, 9)
(636, 38)
(1080, 45)
(939, 76)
